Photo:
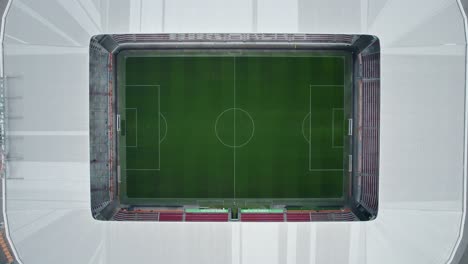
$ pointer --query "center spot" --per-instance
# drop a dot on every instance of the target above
(234, 127)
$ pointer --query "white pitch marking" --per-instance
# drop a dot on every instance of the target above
(136, 128)
(159, 127)
(234, 126)
(233, 146)
(333, 126)
(165, 130)
(310, 125)
(302, 128)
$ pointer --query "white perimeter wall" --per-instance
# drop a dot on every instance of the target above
(422, 132)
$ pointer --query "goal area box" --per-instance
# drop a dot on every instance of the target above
(234, 127)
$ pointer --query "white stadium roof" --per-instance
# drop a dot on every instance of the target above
(422, 175)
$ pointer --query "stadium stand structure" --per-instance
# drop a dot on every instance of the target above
(259, 215)
(101, 129)
(299, 216)
(231, 38)
(206, 217)
(322, 216)
(366, 175)
(169, 216)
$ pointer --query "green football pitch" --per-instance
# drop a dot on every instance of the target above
(239, 125)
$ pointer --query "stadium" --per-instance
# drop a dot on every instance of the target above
(233, 131)
(264, 128)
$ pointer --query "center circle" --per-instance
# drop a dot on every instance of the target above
(234, 127)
